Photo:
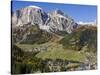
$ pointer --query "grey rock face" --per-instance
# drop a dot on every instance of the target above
(51, 22)
(58, 21)
(30, 14)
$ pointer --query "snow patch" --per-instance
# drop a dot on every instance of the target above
(33, 6)
(61, 16)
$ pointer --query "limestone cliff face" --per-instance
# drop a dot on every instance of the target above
(51, 22)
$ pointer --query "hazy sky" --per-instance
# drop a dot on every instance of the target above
(84, 13)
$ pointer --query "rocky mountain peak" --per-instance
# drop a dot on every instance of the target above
(29, 14)
(57, 11)
(51, 22)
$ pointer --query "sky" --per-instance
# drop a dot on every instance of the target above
(80, 13)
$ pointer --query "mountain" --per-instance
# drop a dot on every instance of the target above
(51, 42)
(84, 38)
(33, 25)
(30, 14)
(58, 21)
(31, 34)
(51, 22)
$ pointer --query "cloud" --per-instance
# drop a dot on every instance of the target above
(88, 23)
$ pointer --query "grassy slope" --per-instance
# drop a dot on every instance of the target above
(55, 51)
(85, 37)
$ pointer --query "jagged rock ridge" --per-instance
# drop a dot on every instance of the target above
(51, 22)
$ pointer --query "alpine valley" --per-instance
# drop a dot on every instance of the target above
(51, 42)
